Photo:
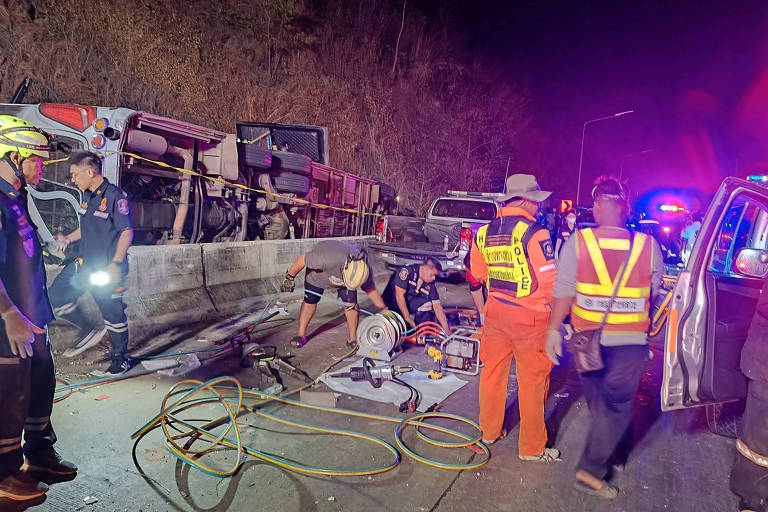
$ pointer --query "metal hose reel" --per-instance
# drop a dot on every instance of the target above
(380, 336)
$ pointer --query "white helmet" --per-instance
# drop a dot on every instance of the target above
(355, 273)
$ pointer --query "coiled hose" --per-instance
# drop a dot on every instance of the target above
(229, 393)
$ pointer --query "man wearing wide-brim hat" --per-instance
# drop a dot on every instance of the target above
(515, 257)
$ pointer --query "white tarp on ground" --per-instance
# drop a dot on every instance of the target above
(432, 391)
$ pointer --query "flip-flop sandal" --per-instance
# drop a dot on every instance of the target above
(299, 341)
(606, 492)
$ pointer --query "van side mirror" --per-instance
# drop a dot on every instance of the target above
(752, 263)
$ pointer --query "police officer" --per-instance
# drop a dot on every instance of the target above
(514, 256)
(27, 373)
(412, 291)
(105, 234)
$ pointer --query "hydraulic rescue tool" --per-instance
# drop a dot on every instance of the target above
(376, 375)
(459, 352)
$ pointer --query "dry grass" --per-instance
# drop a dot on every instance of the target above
(443, 121)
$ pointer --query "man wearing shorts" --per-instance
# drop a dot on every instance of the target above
(332, 264)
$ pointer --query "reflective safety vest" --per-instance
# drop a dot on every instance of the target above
(504, 246)
(601, 256)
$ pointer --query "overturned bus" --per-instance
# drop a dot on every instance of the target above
(265, 182)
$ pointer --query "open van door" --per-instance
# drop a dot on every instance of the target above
(714, 300)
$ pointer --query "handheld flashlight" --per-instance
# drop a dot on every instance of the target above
(100, 278)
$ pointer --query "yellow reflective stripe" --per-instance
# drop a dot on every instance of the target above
(597, 259)
(613, 318)
(606, 291)
(637, 249)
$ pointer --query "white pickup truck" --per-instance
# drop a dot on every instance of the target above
(445, 234)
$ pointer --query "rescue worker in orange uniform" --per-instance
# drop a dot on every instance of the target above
(588, 275)
(514, 256)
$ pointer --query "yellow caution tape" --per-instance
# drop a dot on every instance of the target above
(229, 183)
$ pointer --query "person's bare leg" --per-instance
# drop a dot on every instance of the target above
(305, 315)
(353, 317)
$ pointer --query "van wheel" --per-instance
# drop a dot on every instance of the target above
(725, 419)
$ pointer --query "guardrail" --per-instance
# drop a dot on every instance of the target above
(183, 284)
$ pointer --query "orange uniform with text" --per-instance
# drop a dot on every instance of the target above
(516, 259)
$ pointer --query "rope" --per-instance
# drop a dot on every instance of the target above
(222, 181)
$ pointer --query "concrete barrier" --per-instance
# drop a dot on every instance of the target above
(175, 285)
(166, 287)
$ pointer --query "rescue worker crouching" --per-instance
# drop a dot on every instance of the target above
(514, 256)
(595, 265)
(27, 370)
(105, 234)
(412, 291)
(332, 265)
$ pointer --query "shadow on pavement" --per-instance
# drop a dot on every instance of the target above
(17, 506)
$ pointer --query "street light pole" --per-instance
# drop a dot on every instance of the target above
(581, 153)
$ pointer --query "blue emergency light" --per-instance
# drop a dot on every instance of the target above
(758, 177)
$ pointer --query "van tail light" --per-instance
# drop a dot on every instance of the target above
(380, 237)
(465, 239)
(76, 117)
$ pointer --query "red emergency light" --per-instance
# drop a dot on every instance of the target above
(666, 229)
(76, 117)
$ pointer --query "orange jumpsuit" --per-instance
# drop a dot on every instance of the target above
(516, 320)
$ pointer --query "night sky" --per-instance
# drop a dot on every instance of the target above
(689, 70)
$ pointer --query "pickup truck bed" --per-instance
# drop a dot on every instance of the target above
(399, 254)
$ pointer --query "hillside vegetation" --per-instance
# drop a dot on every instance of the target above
(403, 101)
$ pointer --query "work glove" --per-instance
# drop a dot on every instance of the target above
(554, 346)
(289, 283)
(20, 333)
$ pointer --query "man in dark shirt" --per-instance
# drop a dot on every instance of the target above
(105, 234)
(412, 291)
(27, 373)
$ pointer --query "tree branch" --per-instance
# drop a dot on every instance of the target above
(397, 45)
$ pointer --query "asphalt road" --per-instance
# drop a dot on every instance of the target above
(675, 463)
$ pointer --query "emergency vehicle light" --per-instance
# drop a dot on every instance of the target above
(666, 229)
(76, 117)
(758, 177)
(671, 208)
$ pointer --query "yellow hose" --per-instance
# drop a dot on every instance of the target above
(228, 392)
